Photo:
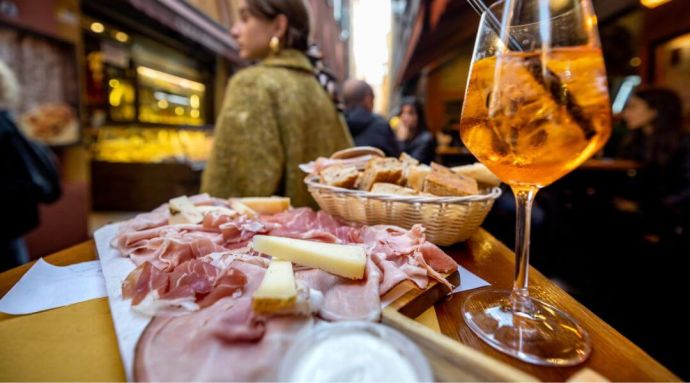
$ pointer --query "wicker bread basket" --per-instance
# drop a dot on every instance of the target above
(447, 220)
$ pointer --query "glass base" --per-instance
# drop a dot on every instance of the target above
(538, 334)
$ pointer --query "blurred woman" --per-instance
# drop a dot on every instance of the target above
(654, 118)
(275, 114)
(28, 176)
(658, 141)
(12, 180)
(413, 137)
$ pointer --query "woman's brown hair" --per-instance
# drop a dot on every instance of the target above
(297, 34)
(297, 37)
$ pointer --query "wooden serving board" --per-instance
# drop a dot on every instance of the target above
(412, 301)
(450, 360)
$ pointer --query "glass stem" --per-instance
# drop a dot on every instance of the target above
(524, 197)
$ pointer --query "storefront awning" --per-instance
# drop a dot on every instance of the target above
(440, 27)
(185, 19)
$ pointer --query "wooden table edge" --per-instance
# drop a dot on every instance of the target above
(86, 251)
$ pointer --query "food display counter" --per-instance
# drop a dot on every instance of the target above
(151, 145)
(135, 168)
(149, 105)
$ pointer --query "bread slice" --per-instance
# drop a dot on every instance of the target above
(479, 172)
(387, 188)
(407, 163)
(381, 170)
(416, 176)
(408, 159)
(443, 182)
(340, 176)
(436, 167)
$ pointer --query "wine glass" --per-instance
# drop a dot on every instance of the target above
(536, 107)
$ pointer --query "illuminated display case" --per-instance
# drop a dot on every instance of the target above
(151, 145)
(147, 102)
(169, 99)
(154, 97)
(149, 108)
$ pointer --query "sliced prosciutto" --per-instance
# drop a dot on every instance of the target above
(193, 284)
(205, 274)
(220, 343)
(167, 246)
(305, 223)
(405, 254)
(395, 254)
(343, 298)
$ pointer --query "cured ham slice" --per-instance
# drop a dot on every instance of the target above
(159, 216)
(156, 218)
(238, 232)
(437, 259)
(167, 246)
(192, 285)
(305, 223)
(208, 273)
(142, 281)
(405, 254)
(396, 253)
(220, 343)
(239, 323)
(346, 299)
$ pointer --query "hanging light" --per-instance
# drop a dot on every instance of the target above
(121, 37)
(97, 27)
(653, 3)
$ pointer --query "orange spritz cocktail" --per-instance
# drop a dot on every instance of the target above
(541, 124)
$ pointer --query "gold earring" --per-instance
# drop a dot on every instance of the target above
(274, 44)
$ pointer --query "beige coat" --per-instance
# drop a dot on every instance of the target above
(275, 116)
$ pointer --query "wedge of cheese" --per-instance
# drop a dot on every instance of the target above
(182, 211)
(277, 292)
(348, 261)
(267, 205)
(238, 206)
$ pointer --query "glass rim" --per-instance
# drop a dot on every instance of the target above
(496, 3)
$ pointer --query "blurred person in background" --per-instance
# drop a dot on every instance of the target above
(660, 193)
(367, 128)
(28, 176)
(275, 114)
(412, 134)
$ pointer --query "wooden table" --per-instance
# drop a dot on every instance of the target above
(610, 164)
(613, 356)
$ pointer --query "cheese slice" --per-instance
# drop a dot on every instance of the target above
(277, 292)
(243, 209)
(267, 205)
(345, 260)
(182, 211)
